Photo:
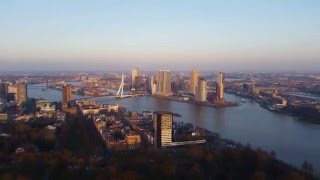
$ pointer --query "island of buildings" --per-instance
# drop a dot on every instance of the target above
(196, 92)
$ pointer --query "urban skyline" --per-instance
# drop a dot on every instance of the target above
(156, 114)
(159, 89)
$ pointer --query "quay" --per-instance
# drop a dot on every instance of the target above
(207, 104)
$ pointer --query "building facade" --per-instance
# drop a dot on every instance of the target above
(134, 75)
(162, 125)
(153, 85)
(66, 93)
(138, 83)
(194, 81)
(133, 140)
(220, 85)
(3, 89)
(163, 81)
(21, 92)
(201, 90)
(47, 106)
(3, 116)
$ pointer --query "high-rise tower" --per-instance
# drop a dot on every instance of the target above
(220, 85)
(201, 90)
(162, 125)
(3, 88)
(134, 74)
(21, 92)
(66, 93)
(194, 80)
(163, 80)
(153, 85)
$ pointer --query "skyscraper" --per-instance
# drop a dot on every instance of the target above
(194, 80)
(66, 93)
(3, 89)
(153, 85)
(134, 74)
(21, 92)
(220, 85)
(164, 79)
(162, 125)
(201, 91)
(138, 82)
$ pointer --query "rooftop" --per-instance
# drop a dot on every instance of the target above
(162, 112)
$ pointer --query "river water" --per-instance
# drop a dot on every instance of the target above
(294, 141)
(36, 91)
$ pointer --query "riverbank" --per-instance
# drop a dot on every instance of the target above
(207, 104)
(247, 123)
(307, 114)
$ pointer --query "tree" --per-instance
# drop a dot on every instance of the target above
(273, 154)
(118, 135)
(258, 175)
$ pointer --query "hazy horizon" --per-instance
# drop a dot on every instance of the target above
(233, 36)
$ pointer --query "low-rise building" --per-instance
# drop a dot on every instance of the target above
(60, 116)
(47, 106)
(3, 116)
(110, 107)
(89, 110)
(133, 140)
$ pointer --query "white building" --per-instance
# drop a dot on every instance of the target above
(110, 107)
(220, 83)
(45, 105)
(201, 90)
(153, 85)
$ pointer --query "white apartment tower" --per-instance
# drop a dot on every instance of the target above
(220, 85)
(201, 90)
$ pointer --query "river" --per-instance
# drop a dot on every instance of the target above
(36, 91)
(294, 141)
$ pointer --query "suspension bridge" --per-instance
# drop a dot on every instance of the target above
(120, 94)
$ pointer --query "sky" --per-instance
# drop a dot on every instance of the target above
(108, 35)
